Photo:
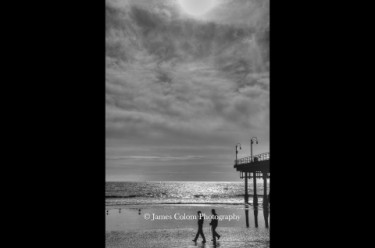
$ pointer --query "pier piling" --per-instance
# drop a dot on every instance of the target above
(255, 196)
(256, 215)
(265, 198)
(247, 215)
(246, 191)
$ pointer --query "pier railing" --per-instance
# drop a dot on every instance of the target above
(256, 158)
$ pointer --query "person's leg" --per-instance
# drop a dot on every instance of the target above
(215, 234)
(201, 233)
(196, 236)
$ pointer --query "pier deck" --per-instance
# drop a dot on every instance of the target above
(260, 165)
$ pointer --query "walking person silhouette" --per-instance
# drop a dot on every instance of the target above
(200, 228)
(214, 223)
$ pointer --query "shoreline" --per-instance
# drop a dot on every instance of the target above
(182, 204)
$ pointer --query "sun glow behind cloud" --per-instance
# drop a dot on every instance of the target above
(197, 7)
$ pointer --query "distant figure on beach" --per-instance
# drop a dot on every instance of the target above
(214, 223)
(200, 228)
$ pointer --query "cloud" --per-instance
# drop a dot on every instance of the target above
(172, 81)
(154, 158)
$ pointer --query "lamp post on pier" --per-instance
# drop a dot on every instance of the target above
(255, 196)
(238, 145)
(246, 193)
(251, 146)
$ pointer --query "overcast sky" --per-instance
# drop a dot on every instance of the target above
(185, 84)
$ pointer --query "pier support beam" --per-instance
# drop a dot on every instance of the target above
(246, 193)
(247, 215)
(255, 196)
(265, 198)
(256, 215)
(265, 213)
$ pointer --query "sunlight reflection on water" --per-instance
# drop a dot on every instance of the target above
(128, 193)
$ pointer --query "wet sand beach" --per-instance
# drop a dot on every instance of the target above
(174, 226)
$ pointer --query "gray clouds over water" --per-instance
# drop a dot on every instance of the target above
(175, 81)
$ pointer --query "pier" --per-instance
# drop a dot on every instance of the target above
(254, 167)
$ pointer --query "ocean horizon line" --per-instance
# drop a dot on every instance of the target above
(172, 181)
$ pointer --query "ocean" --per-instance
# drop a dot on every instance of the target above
(150, 193)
